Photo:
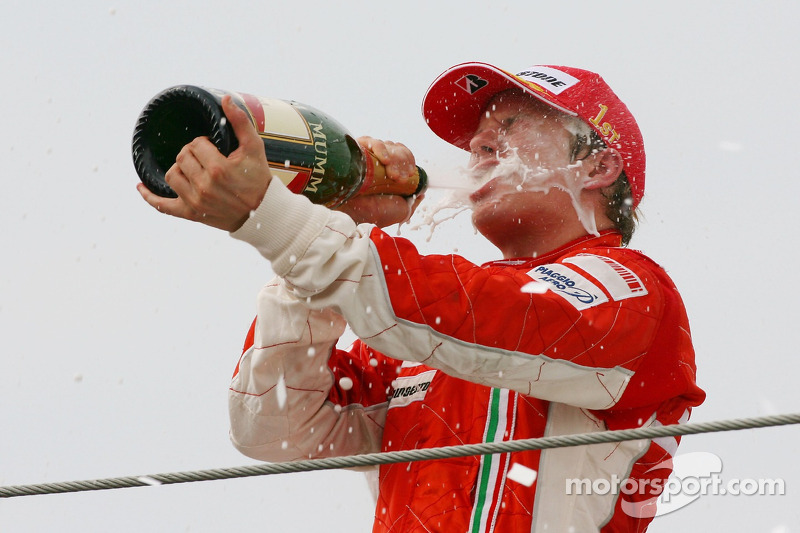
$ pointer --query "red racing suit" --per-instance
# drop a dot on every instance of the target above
(589, 337)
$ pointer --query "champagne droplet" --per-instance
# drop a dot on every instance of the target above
(346, 383)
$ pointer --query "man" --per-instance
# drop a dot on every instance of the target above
(569, 333)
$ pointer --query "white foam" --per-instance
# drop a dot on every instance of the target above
(463, 182)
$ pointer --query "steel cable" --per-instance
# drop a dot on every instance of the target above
(426, 454)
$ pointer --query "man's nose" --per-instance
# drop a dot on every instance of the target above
(484, 144)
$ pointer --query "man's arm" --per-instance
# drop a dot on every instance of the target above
(284, 400)
(287, 399)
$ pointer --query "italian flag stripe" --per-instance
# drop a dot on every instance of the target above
(511, 423)
(492, 469)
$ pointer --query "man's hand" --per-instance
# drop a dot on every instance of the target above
(385, 209)
(213, 189)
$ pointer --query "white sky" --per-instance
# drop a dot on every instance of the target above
(120, 328)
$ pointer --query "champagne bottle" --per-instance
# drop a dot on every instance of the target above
(309, 151)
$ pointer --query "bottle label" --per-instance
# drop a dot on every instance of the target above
(280, 122)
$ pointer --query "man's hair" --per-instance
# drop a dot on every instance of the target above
(619, 206)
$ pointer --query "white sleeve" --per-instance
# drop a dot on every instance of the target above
(278, 400)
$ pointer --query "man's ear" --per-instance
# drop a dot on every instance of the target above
(607, 168)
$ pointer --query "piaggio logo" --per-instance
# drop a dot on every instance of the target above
(564, 284)
(568, 283)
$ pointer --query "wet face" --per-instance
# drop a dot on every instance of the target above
(520, 159)
(514, 124)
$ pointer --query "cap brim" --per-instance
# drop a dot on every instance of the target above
(455, 101)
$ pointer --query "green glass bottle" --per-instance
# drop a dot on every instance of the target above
(309, 151)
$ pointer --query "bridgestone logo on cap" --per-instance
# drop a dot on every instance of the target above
(551, 79)
(472, 83)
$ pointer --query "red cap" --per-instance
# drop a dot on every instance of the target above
(455, 101)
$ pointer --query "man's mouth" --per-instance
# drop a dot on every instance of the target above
(485, 188)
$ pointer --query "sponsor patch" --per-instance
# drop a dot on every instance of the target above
(573, 287)
(551, 79)
(408, 389)
(618, 280)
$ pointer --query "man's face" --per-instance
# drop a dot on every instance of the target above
(514, 124)
(521, 163)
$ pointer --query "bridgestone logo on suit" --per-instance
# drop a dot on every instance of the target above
(408, 389)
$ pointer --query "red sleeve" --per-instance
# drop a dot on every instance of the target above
(603, 308)
(488, 306)
(362, 376)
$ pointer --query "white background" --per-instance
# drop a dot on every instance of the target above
(120, 327)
